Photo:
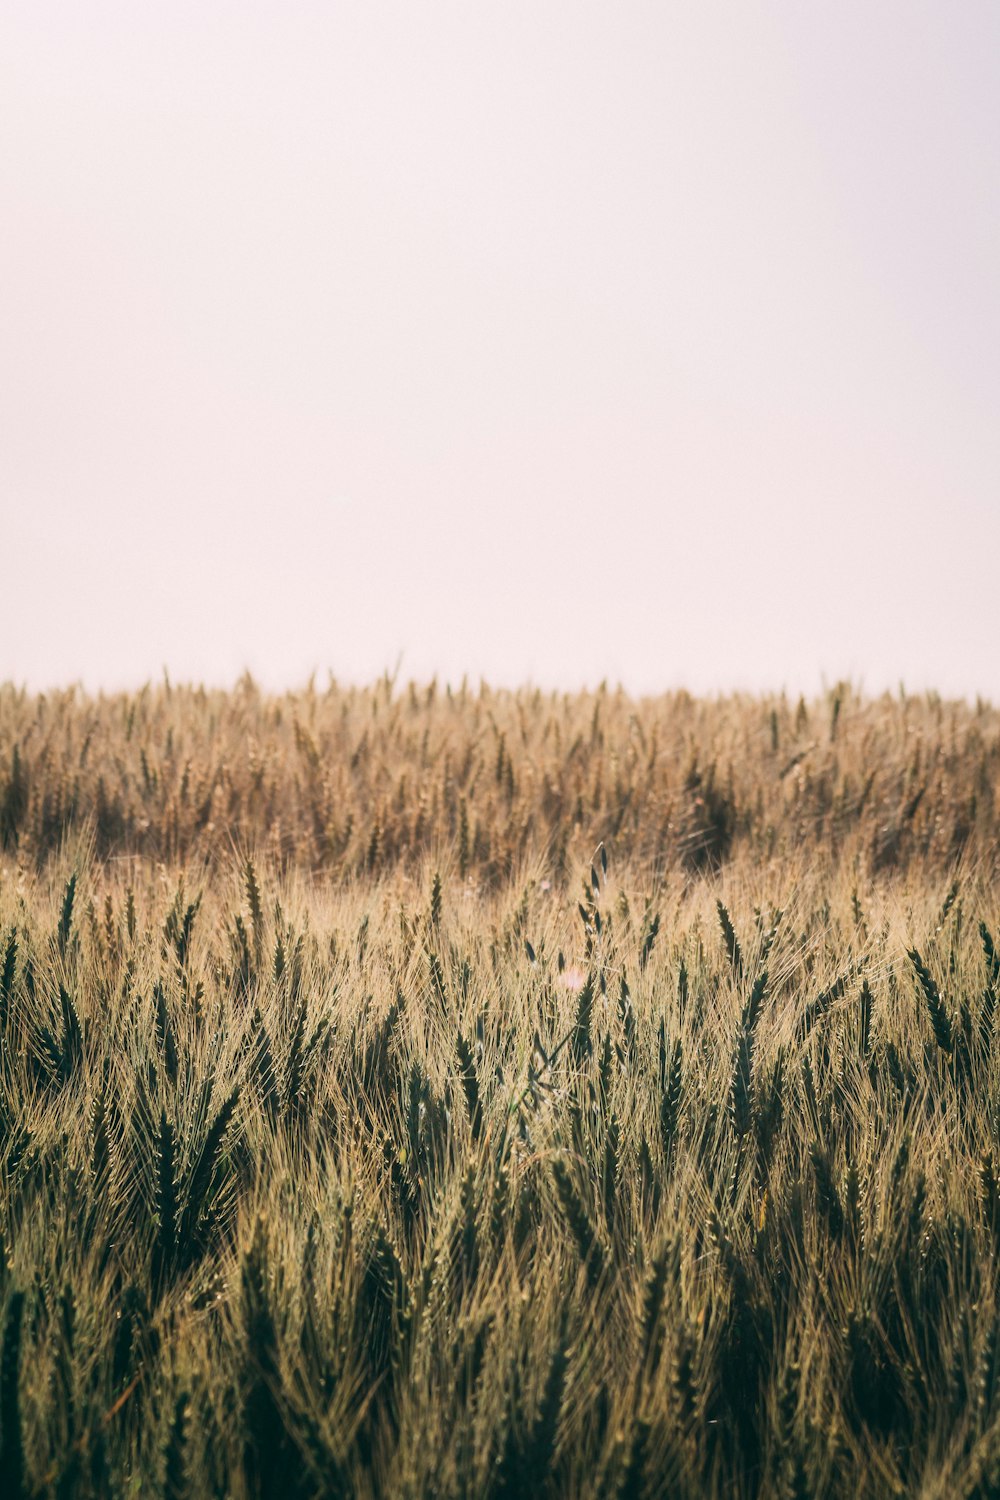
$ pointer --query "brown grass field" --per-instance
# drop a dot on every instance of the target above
(446, 1093)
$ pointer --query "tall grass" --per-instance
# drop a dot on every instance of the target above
(640, 1140)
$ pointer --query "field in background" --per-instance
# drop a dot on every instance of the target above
(418, 1092)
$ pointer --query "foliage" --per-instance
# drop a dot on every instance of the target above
(612, 1146)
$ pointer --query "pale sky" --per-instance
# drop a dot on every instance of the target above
(548, 341)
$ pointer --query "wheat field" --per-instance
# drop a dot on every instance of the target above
(432, 1092)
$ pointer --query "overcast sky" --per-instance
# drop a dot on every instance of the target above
(547, 341)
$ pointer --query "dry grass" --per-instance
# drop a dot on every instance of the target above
(468, 1094)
